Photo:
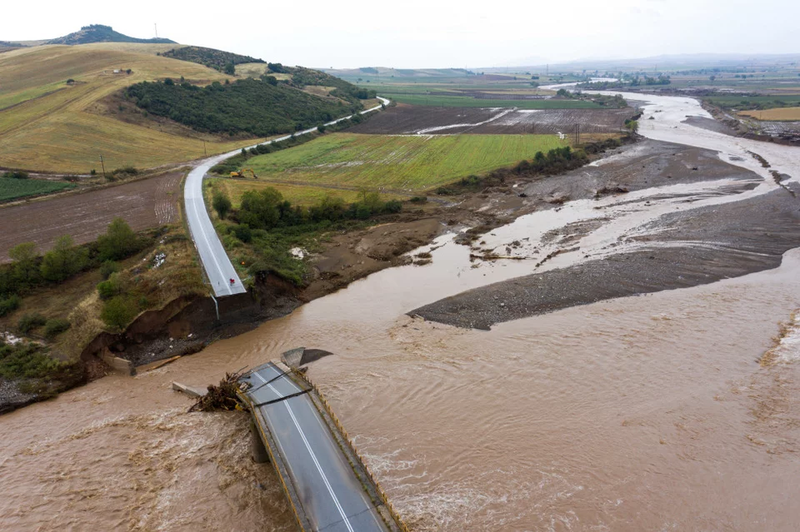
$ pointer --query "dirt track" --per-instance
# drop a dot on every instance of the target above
(143, 204)
(409, 120)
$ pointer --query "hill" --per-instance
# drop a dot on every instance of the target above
(98, 33)
(216, 59)
(62, 107)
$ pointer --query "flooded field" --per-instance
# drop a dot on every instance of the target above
(652, 412)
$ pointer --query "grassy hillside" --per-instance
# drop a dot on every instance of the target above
(410, 163)
(47, 124)
(62, 107)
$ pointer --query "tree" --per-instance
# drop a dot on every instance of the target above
(712, 77)
(221, 204)
(64, 260)
(260, 209)
(230, 69)
(119, 242)
(24, 256)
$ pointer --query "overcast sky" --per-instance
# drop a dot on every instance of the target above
(431, 33)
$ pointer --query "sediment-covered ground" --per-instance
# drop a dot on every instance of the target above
(412, 120)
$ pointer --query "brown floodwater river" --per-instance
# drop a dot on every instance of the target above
(647, 413)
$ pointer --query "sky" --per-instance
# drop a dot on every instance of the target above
(432, 33)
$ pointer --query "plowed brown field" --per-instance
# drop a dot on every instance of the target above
(143, 204)
(410, 120)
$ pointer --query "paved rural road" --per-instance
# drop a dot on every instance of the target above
(331, 495)
(218, 267)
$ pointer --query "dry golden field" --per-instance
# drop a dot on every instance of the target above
(49, 125)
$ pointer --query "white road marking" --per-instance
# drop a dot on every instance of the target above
(313, 456)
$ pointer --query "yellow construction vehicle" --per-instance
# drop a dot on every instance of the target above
(241, 173)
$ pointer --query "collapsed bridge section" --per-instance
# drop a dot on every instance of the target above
(325, 481)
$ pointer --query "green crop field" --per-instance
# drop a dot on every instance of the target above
(408, 163)
(296, 194)
(438, 100)
(11, 189)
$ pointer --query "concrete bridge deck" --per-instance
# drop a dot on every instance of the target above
(318, 473)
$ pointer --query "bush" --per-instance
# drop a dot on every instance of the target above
(55, 327)
(16, 174)
(221, 204)
(119, 242)
(107, 268)
(28, 322)
(110, 287)
(119, 311)
(419, 199)
(64, 260)
(243, 233)
(26, 361)
(125, 171)
(9, 305)
(392, 207)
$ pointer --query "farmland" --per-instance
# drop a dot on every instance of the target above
(303, 195)
(143, 204)
(776, 114)
(409, 163)
(49, 125)
(448, 100)
(406, 119)
(11, 189)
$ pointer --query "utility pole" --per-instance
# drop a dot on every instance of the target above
(103, 164)
(577, 134)
(156, 26)
(204, 148)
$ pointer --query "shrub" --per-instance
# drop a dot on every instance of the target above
(107, 268)
(28, 322)
(16, 174)
(243, 233)
(110, 287)
(119, 242)
(55, 327)
(125, 171)
(26, 361)
(393, 206)
(64, 260)
(9, 305)
(119, 311)
(419, 199)
(221, 204)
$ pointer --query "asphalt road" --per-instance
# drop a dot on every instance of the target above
(217, 265)
(331, 495)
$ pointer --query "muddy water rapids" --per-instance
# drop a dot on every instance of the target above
(648, 413)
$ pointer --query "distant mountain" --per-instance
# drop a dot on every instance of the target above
(100, 33)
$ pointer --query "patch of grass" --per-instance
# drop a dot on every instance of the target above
(397, 162)
(11, 189)
(302, 195)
